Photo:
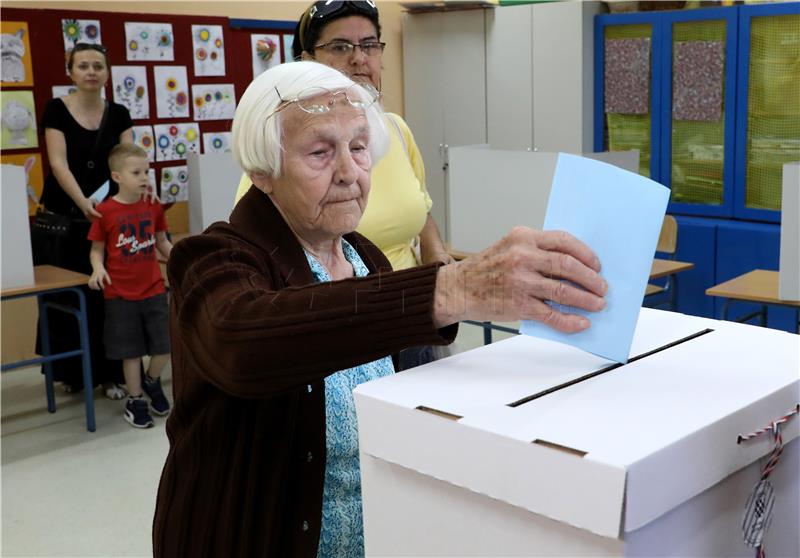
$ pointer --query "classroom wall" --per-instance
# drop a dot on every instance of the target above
(391, 21)
(19, 317)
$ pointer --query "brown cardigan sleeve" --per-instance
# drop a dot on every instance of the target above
(252, 336)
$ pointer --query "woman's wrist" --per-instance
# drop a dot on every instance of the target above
(449, 297)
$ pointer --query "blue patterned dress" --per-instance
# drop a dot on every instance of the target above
(342, 531)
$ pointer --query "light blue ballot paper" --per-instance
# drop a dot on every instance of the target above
(618, 214)
(101, 193)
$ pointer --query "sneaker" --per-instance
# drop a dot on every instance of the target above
(136, 413)
(159, 403)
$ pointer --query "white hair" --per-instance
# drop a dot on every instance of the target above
(257, 140)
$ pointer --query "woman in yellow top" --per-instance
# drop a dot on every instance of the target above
(346, 36)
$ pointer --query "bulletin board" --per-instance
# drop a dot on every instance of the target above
(249, 46)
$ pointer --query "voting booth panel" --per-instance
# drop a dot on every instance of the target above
(212, 188)
(500, 189)
(505, 451)
(789, 277)
(17, 259)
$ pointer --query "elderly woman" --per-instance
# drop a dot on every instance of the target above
(346, 35)
(280, 313)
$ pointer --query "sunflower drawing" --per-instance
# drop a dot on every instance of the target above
(72, 29)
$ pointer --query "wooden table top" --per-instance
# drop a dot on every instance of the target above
(48, 277)
(758, 285)
(662, 268)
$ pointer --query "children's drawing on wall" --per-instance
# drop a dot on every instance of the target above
(209, 50)
(174, 184)
(287, 48)
(144, 138)
(15, 48)
(18, 120)
(174, 141)
(77, 31)
(172, 91)
(215, 101)
(265, 52)
(130, 89)
(217, 142)
(151, 177)
(32, 163)
(149, 41)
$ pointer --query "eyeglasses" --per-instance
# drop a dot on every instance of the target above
(327, 8)
(308, 100)
(343, 49)
(89, 46)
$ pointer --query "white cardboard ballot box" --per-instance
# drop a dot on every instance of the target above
(471, 456)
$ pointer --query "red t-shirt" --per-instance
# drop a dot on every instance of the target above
(129, 231)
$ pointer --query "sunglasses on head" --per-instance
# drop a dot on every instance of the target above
(89, 46)
(320, 11)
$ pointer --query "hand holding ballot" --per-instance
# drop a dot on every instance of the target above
(512, 279)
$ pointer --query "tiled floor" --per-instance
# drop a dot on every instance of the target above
(68, 492)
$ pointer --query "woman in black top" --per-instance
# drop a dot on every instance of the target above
(80, 130)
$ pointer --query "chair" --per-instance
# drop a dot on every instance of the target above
(667, 244)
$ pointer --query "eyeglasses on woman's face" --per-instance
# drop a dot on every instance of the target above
(344, 49)
(318, 100)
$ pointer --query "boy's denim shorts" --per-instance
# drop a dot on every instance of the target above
(135, 328)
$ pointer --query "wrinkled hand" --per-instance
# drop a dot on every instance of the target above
(99, 280)
(87, 206)
(513, 279)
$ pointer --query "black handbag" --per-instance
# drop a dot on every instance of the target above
(49, 236)
(50, 232)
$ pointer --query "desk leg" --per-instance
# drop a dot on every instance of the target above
(87, 362)
(763, 316)
(487, 333)
(725, 308)
(47, 367)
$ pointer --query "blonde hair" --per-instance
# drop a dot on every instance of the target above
(258, 140)
(120, 152)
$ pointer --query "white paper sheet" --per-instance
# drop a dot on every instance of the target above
(208, 50)
(80, 31)
(174, 184)
(172, 91)
(217, 142)
(149, 41)
(174, 141)
(144, 138)
(216, 101)
(265, 51)
(130, 90)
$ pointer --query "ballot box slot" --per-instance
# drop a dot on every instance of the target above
(559, 447)
(438, 413)
(608, 368)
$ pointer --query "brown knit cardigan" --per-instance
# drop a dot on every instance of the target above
(253, 338)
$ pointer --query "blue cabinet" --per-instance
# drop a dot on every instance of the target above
(724, 173)
(728, 166)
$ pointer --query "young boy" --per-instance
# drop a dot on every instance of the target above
(127, 237)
